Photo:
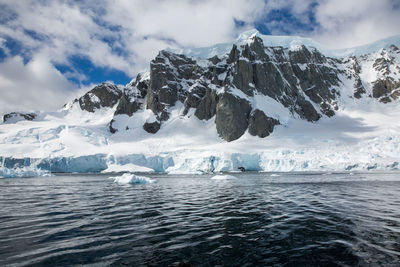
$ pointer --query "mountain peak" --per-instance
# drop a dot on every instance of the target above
(287, 42)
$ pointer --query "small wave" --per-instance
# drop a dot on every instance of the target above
(223, 177)
(130, 178)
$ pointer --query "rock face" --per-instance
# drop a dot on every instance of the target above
(260, 124)
(151, 127)
(386, 90)
(227, 88)
(103, 95)
(232, 116)
(18, 116)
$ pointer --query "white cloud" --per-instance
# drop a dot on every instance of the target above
(34, 86)
(346, 23)
(144, 27)
(338, 23)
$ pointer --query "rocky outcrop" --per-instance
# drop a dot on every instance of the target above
(386, 89)
(224, 87)
(127, 106)
(207, 106)
(103, 95)
(170, 75)
(260, 125)
(151, 127)
(18, 116)
(232, 114)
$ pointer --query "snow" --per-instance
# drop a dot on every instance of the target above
(93, 98)
(129, 178)
(363, 135)
(271, 108)
(223, 177)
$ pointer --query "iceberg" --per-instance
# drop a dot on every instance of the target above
(130, 178)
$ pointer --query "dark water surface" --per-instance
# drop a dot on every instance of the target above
(255, 220)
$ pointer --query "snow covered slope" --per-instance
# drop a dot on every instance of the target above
(266, 103)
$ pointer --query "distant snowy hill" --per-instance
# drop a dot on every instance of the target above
(264, 103)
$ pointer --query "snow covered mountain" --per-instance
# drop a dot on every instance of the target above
(265, 103)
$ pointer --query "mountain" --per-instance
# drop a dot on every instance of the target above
(272, 103)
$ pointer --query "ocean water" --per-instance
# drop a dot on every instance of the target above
(257, 219)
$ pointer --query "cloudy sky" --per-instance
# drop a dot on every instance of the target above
(50, 51)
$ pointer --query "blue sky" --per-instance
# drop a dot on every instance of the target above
(52, 51)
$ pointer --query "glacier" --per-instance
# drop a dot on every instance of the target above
(362, 136)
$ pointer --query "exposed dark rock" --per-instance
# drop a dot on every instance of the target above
(326, 109)
(385, 99)
(304, 56)
(194, 97)
(382, 65)
(258, 49)
(142, 84)
(242, 169)
(103, 95)
(243, 76)
(261, 125)
(215, 60)
(307, 111)
(207, 106)
(167, 71)
(233, 55)
(127, 107)
(152, 127)
(386, 89)
(111, 128)
(359, 88)
(232, 116)
(18, 116)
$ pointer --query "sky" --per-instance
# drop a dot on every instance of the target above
(53, 51)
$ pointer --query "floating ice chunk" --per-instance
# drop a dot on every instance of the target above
(130, 178)
(23, 172)
(126, 168)
(223, 177)
(274, 175)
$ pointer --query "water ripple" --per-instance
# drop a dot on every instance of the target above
(256, 219)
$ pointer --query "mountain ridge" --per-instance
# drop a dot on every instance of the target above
(303, 80)
(257, 107)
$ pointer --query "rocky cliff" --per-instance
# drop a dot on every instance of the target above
(235, 89)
